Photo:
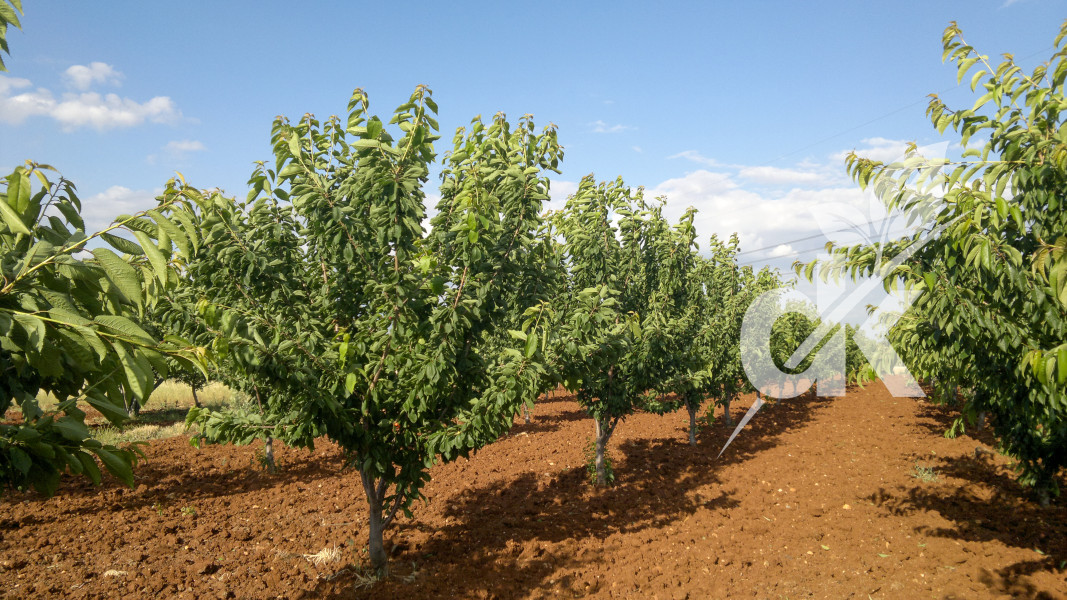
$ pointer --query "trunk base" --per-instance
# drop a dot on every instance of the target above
(692, 424)
(268, 456)
(602, 472)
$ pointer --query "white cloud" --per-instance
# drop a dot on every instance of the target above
(780, 251)
(599, 126)
(15, 108)
(81, 77)
(558, 192)
(111, 111)
(180, 147)
(636, 149)
(694, 156)
(430, 202)
(87, 109)
(99, 210)
(779, 176)
(177, 150)
(725, 207)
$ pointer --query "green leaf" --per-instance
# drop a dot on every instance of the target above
(126, 327)
(71, 428)
(366, 143)
(121, 274)
(155, 257)
(20, 460)
(374, 128)
(114, 413)
(122, 244)
(117, 464)
(137, 370)
(12, 219)
(294, 144)
(34, 328)
(89, 467)
(175, 233)
(531, 345)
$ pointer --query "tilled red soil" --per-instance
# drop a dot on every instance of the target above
(816, 498)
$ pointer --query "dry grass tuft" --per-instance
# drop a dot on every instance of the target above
(331, 554)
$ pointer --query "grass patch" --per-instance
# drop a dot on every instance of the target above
(115, 436)
(924, 473)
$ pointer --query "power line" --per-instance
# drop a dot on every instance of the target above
(812, 237)
(790, 254)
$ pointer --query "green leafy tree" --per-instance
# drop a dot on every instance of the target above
(70, 323)
(858, 369)
(323, 292)
(620, 322)
(719, 292)
(991, 314)
(788, 333)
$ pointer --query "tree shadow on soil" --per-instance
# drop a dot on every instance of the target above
(505, 539)
(555, 396)
(163, 480)
(546, 423)
(990, 506)
(938, 418)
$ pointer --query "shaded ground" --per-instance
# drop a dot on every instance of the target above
(855, 497)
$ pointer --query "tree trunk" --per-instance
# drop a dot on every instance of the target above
(726, 413)
(196, 400)
(603, 434)
(980, 422)
(377, 523)
(526, 414)
(692, 407)
(379, 560)
(268, 455)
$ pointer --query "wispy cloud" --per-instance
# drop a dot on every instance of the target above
(599, 126)
(697, 157)
(780, 176)
(177, 150)
(182, 147)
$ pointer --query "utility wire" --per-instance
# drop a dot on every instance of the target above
(812, 237)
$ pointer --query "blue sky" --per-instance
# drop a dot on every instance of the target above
(744, 110)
